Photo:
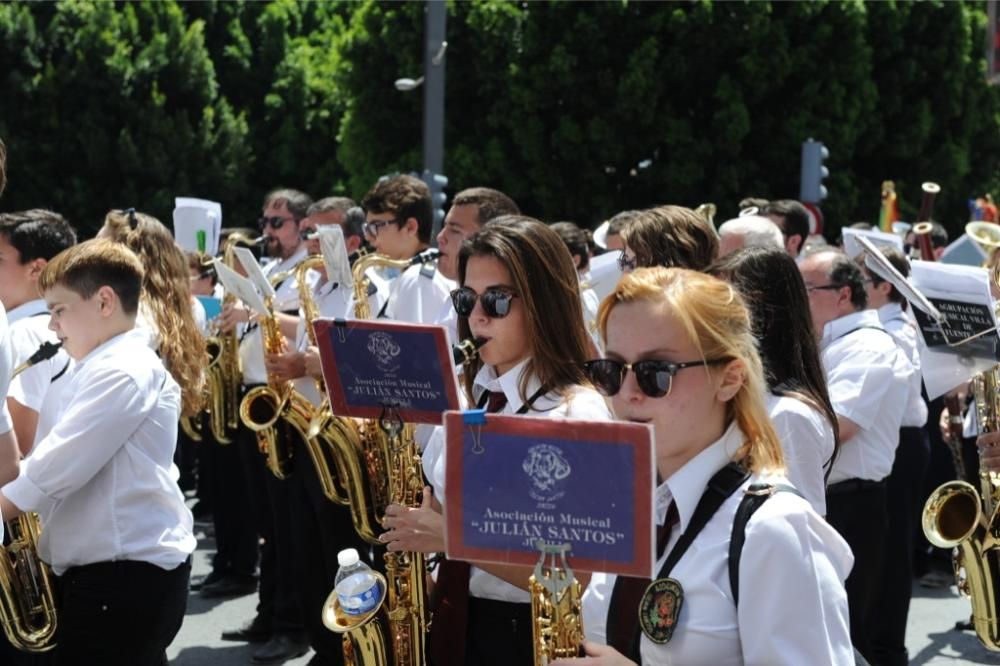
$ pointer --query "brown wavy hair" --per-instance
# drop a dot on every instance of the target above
(717, 321)
(671, 236)
(546, 283)
(166, 294)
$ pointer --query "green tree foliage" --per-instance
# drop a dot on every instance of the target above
(578, 110)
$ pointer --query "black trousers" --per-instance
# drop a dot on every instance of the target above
(904, 503)
(857, 510)
(228, 493)
(278, 602)
(119, 613)
(498, 634)
(320, 530)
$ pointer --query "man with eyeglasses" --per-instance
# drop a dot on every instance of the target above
(278, 623)
(868, 378)
(399, 221)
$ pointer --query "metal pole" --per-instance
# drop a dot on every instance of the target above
(434, 62)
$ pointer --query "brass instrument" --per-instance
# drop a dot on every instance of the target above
(922, 229)
(27, 596)
(986, 235)
(223, 373)
(556, 607)
(957, 516)
(264, 406)
(707, 211)
(383, 467)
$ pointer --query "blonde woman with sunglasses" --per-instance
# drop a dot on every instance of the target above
(681, 356)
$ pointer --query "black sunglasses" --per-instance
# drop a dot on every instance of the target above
(496, 301)
(653, 377)
(274, 222)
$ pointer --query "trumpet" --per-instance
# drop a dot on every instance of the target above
(27, 595)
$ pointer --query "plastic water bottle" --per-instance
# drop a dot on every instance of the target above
(357, 587)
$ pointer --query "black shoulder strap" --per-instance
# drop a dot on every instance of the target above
(755, 496)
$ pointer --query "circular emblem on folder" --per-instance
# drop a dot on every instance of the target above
(659, 609)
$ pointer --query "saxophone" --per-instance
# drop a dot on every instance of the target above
(556, 607)
(27, 597)
(264, 406)
(392, 474)
(223, 373)
(957, 516)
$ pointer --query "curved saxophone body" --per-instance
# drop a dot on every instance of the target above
(556, 617)
(957, 516)
(381, 467)
(27, 600)
(27, 596)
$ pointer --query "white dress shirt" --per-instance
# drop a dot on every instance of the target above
(591, 304)
(807, 442)
(286, 299)
(6, 370)
(29, 328)
(868, 378)
(904, 332)
(101, 479)
(418, 296)
(581, 404)
(792, 608)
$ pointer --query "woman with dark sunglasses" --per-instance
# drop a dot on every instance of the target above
(519, 291)
(682, 356)
(797, 402)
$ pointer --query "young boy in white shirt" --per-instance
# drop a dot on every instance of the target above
(116, 530)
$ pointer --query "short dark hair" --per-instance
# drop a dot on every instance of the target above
(327, 204)
(671, 236)
(85, 268)
(201, 262)
(794, 214)
(900, 263)
(939, 235)
(405, 197)
(847, 273)
(575, 240)
(491, 203)
(753, 202)
(296, 202)
(618, 222)
(354, 222)
(37, 233)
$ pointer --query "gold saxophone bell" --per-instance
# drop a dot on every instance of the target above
(556, 607)
(986, 235)
(27, 595)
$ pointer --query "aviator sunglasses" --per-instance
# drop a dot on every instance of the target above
(495, 301)
(653, 377)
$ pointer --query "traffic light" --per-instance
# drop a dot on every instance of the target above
(436, 183)
(811, 188)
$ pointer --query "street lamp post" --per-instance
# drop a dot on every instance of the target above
(433, 82)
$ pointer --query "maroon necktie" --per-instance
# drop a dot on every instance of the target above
(623, 610)
(451, 593)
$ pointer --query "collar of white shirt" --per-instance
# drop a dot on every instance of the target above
(140, 335)
(25, 310)
(891, 311)
(843, 325)
(509, 382)
(687, 485)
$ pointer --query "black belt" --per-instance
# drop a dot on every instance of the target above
(853, 486)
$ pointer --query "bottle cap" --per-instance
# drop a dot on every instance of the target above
(347, 557)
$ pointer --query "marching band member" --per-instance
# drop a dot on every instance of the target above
(681, 355)
(576, 242)
(320, 529)
(518, 290)
(903, 485)
(797, 402)
(117, 532)
(868, 378)
(470, 210)
(278, 622)
(671, 236)
(29, 240)
(400, 220)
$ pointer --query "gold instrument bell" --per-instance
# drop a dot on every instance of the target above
(986, 235)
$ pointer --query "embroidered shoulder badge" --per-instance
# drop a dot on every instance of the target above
(659, 609)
